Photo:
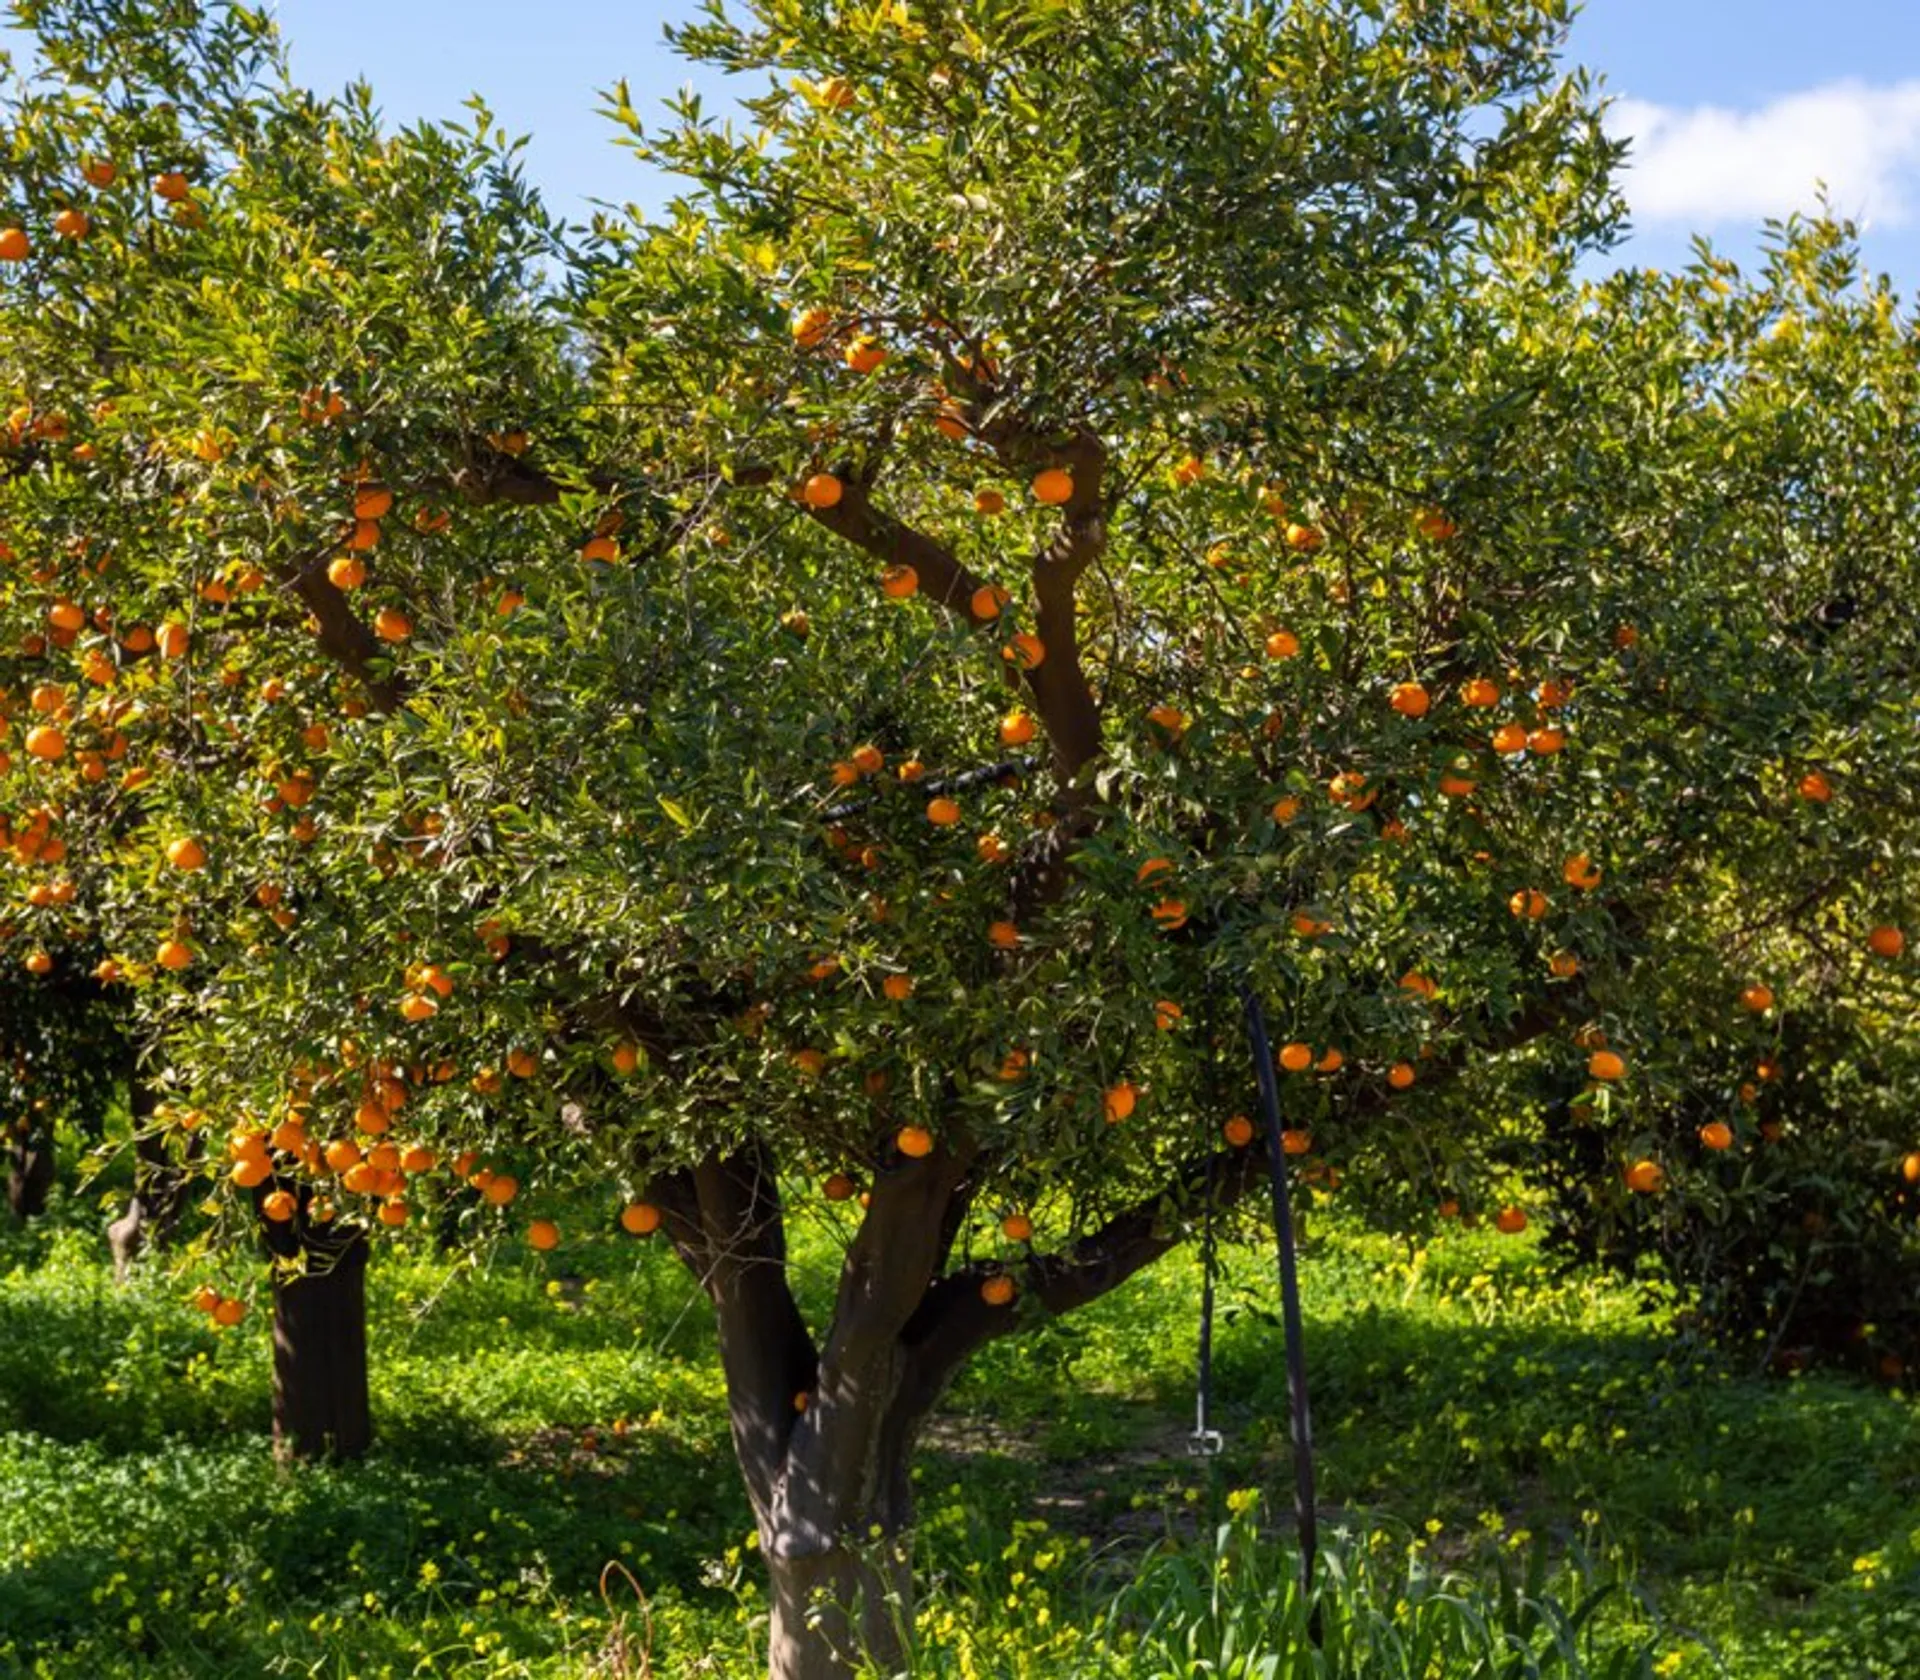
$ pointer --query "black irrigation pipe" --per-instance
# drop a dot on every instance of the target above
(1006, 771)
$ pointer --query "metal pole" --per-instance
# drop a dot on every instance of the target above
(1303, 1500)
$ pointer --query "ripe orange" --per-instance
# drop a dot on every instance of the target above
(864, 354)
(1757, 998)
(1554, 692)
(392, 625)
(988, 503)
(998, 1290)
(543, 1234)
(280, 1206)
(1238, 1131)
(1167, 1015)
(417, 1007)
(1296, 1057)
(1285, 809)
(1421, 985)
(1511, 1221)
(1605, 1065)
(1410, 699)
(1815, 788)
(943, 812)
(1118, 1102)
(71, 223)
(1883, 941)
(625, 1057)
(100, 172)
(1052, 486)
(228, 1312)
(822, 490)
(1304, 539)
(1529, 902)
(39, 962)
(1434, 525)
(1580, 871)
(810, 326)
(1026, 650)
(640, 1219)
(1401, 1076)
(174, 954)
(1294, 1142)
(372, 501)
(1510, 738)
(1717, 1134)
(602, 551)
(1481, 691)
(501, 1188)
(173, 641)
(393, 1211)
(838, 1187)
(988, 602)
(46, 742)
(1017, 728)
(14, 245)
(1563, 965)
(868, 759)
(1017, 1227)
(187, 854)
(1169, 719)
(1003, 935)
(898, 582)
(1910, 1167)
(172, 186)
(1170, 913)
(1646, 1178)
(897, 987)
(1283, 644)
(915, 1142)
(1332, 1062)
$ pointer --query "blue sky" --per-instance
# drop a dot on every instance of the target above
(1738, 106)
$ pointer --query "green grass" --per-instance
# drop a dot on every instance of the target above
(1479, 1418)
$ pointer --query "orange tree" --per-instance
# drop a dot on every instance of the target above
(827, 694)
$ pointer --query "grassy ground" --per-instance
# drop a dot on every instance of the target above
(543, 1417)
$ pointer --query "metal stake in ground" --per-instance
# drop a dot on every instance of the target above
(1289, 1292)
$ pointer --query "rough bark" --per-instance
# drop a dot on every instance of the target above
(320, 1400)
(833, 1611)
(160, 1185)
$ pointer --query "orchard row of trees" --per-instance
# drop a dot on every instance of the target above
(829, 689)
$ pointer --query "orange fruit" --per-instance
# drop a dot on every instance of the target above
(1017, 728)
(1580, 871)
(898, 582)
(988, 503)
(1401, 1075)
(1434, 525)
(1605, 1065)
(625, 1057)
(1883, 941)
(1294, 1142)
(417, 1007)
(1410, 699)
(603, 551)
(1757, 998)
(865, 353)
(1026, 650)
(1285, 809)
(1529, 902)
(1238, 1131)
(1170, 913)
(1511, 1221)
(1815, 788)
(372, 501)
(822, 490)
(1017, 1227)
(1168, 719)
(1646, 1178)
(1563, 965)
(100, 172)
(392, 625)
(838, 1187)
(1052, 486)
(500, 1188)
(173, 641)
(988, 602)
(1510, 738)
(71, 223)
(228, 1312)
(172, 186)
(14, 245)
(1296, 1057)
(187, 854)
(1304, 539)
(1118, 1102)
(998, 1290)
(868, 759)
(810, 326)
(897, 987)
(46, 742)
(1910, 1167)
(1546, 742)
(1283, 644)
(915, 1142)
(280, 1206)
(1717, 1134)
(173, 954)
(1332, 1062)
(1481, 691)
(640, 1218)
(1167, 1015)
(39, 962)
(943, 812)
(393, 1211)
(543, 1234)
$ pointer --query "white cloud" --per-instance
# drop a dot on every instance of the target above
(1704, 165)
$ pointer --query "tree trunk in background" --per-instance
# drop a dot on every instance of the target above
(30, 1164)
(320, 1400)
(160, 1184)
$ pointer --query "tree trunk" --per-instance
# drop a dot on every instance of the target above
(320, 1403)
(160, 1183)
(29, 1165)
(834, 1611)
